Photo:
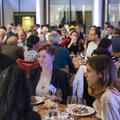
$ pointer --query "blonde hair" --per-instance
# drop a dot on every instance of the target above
(12, 39)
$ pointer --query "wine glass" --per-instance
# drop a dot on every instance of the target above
(69, 98)
(58, 95)
(82, 54)
(72, 54)
(78, 54)
(57, 98)
(82, 104)
(74, 100)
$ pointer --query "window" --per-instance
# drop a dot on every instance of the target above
(114, 12)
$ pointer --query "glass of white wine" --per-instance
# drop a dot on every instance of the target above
(58, 95)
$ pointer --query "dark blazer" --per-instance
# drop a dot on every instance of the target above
(60, 79)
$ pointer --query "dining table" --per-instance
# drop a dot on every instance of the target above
(78, 61)
(62, 107)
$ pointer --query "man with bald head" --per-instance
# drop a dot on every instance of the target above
(11, 48)
(22, 39)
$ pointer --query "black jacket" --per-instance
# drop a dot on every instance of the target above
(60, 79)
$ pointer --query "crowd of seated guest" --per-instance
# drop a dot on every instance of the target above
(52, 48)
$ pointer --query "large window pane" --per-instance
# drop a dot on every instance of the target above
(82, 12)
(114, 12)
(59, 12)
(71, 12)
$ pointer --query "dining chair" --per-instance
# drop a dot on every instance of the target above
(27, 65)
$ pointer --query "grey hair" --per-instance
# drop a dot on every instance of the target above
(54, 37)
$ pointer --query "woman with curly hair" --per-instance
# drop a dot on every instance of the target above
(32, 44)
(15, 103)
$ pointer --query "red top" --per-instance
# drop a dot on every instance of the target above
(62, 44)
(27, 65)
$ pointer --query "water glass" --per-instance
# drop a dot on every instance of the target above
(74, 100)
(69, 98)
(82, 104)
(58, 95)
(35, 108)
(82, 54)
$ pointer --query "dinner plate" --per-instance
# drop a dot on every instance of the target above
(90, 111)
(36, 100)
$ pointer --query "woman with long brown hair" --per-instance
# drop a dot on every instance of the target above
(103, 84)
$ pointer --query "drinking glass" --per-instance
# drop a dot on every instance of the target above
(35, 108)
(72, 54)
(82, 104)
(119, 59)
(69, 98)
(57, 99)
(74, 100)
(82, 54)
(58, 94)
(78, 54)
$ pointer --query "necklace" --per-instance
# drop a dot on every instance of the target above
(43, 87)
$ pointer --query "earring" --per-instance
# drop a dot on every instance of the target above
(100, 76)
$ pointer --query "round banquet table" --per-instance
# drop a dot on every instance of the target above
(43, 111)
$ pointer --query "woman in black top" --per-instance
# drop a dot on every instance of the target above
(74, 45)
(15, 103)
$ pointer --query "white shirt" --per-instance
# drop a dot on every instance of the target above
(108, 107)
(43, 86)
(78, 84)
(30, 55)
(91, 46)
(110, 37)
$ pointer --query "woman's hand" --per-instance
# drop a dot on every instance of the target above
(51, 97)
(73, 41)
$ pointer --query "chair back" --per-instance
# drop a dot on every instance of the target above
(27, 65)
(116, 54)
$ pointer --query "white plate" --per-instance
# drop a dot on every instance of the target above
(38, 100)
(91, 111)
